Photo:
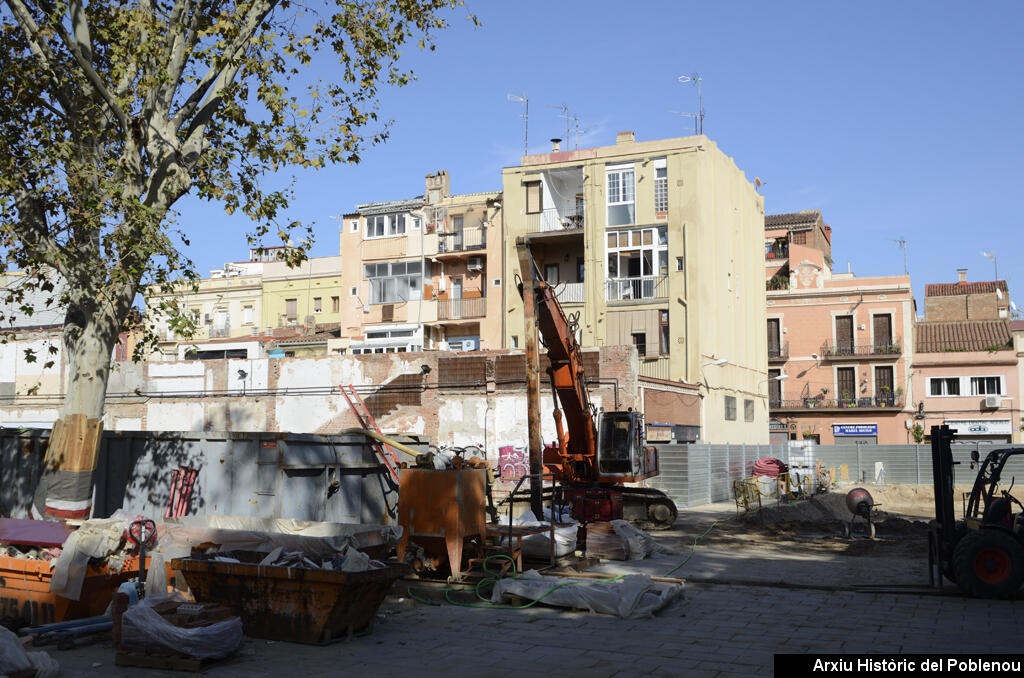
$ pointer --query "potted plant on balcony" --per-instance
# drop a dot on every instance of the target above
(884, 396)
(846, 400)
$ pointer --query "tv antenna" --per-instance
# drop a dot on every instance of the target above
(902, 244)
(576, 131)
(525, 115)
(565, 114)
(698, 117)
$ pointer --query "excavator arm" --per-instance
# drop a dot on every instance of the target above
(577, 441)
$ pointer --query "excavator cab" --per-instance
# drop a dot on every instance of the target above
(621, 452)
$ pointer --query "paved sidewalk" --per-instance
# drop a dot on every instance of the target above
(724, 631)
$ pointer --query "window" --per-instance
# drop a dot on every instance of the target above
(318, 304)
(415, 223)
(551, 274)
(748, 410)
(354, 292)
(799, 238)
(580, 269)
(621, 192)
(291, 308)
(986, 386)
(635, 257)
(640, 341)
(663, 331)
(515, 341)
(394, 282)
(375, 226)
(385, 225)
(247, 315)
(846, 386)
(730, 408)
(660, 186)
(497, 282)
(680, 264)
(534, 198)
(335, 304)
(355, 226)
(944, 386)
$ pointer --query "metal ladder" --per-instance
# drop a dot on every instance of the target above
(366, 421)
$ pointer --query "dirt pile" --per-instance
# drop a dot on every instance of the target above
(827, 512)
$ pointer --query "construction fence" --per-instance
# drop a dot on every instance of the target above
(701, 474)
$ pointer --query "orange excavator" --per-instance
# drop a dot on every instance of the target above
(597, 452)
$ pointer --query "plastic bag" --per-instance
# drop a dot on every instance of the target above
(142, 627)
(632, 597)
(641, 545)
(539, 545)
(14, 659)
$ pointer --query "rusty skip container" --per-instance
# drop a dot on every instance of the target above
(25, 591)
(291, 603)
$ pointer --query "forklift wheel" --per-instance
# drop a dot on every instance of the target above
(989, 563)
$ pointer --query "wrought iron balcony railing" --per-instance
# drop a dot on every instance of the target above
(841, 349)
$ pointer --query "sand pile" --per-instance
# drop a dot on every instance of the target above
(828, 512)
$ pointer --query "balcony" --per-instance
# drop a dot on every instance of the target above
(569, 293)
(555, 220)
(466, 240)
(776, 252)
(878, 402)
(637, 289)
(461, 309)
(220, 332)
(778, 353)
(843, 351)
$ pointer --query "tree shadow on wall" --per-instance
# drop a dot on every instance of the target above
(136, 471)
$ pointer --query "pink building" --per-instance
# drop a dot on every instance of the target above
(838, 345)
(965, 365)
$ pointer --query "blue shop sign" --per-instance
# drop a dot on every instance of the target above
(855, 429)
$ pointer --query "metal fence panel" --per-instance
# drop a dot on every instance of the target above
(699, 474)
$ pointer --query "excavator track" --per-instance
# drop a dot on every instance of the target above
(648, 508)
(645, 507)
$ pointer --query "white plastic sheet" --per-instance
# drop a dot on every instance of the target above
(14, 659)
(143, 627)
(538, 545)
(632, 597)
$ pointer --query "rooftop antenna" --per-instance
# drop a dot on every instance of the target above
(565, 114)
(902, 244)
(576, 130)
(525, 115)
(995, 262)
(698, 117)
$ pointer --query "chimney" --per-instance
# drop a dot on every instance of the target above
(961, 274)
(624, 138)
(556, 145)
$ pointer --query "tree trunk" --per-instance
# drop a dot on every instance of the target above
(65, 488)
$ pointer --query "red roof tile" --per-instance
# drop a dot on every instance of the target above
(957, 288)
(962, 335)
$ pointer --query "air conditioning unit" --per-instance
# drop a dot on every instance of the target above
(993, 401)
(475, 264)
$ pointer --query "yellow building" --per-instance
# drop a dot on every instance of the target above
(417, 272)
(658, 244)
(308, 295)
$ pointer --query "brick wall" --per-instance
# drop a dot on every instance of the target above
(961, 307)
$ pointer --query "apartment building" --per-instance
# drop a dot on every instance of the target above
(308, 295)
(421, 273)
(654, 244)
(839, 346)
(966, 365)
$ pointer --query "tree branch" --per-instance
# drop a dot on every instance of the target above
(32, 226)
(39, 47)
(212, 78)
(80, 25)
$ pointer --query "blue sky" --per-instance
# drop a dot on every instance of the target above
(896, 119)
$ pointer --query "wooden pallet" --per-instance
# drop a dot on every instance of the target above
(164, 661)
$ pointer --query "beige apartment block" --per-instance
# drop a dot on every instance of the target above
(228, 304)
(839, 346)
(423, 273)
(655, 244)
(308, 295)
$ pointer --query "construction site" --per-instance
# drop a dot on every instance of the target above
(579, 547)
